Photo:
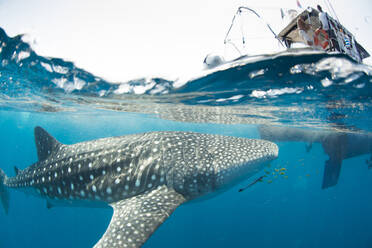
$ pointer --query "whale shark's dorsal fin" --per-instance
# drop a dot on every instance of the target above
(45, 143)
(136, 218)
(16, 170)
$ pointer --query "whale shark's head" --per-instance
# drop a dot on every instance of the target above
(241, 159)
(213, 162)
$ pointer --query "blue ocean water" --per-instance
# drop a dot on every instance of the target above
(300, 88)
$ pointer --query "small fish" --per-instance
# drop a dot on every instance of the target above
(276, 169)
(285, 177)
(281, 173)
(269, 181)
(307, 175)
(282, 169)
(260, 179)
(267, 172)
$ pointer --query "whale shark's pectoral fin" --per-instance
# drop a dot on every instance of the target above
(136, 218)
(332, 171)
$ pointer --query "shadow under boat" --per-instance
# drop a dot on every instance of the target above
(338, 145)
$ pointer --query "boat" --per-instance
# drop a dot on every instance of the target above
(336, 41)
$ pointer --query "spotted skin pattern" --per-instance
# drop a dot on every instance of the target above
(135, 219)
(144, 177)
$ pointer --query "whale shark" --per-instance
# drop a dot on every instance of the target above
(143, 177)
(338, 145)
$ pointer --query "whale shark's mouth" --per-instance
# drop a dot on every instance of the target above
(272, 150)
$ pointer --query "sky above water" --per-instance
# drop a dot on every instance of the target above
(123, 40)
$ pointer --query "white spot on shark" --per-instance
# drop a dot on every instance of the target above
(138, 183)
(109, 190)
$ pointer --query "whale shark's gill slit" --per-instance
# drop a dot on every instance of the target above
(147, 173)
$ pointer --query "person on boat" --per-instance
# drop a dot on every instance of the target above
(323, 18)
(303, 29)
(326, 26)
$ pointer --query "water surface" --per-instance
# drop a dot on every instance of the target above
(299, 88)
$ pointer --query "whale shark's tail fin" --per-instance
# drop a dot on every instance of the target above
(4, 195)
